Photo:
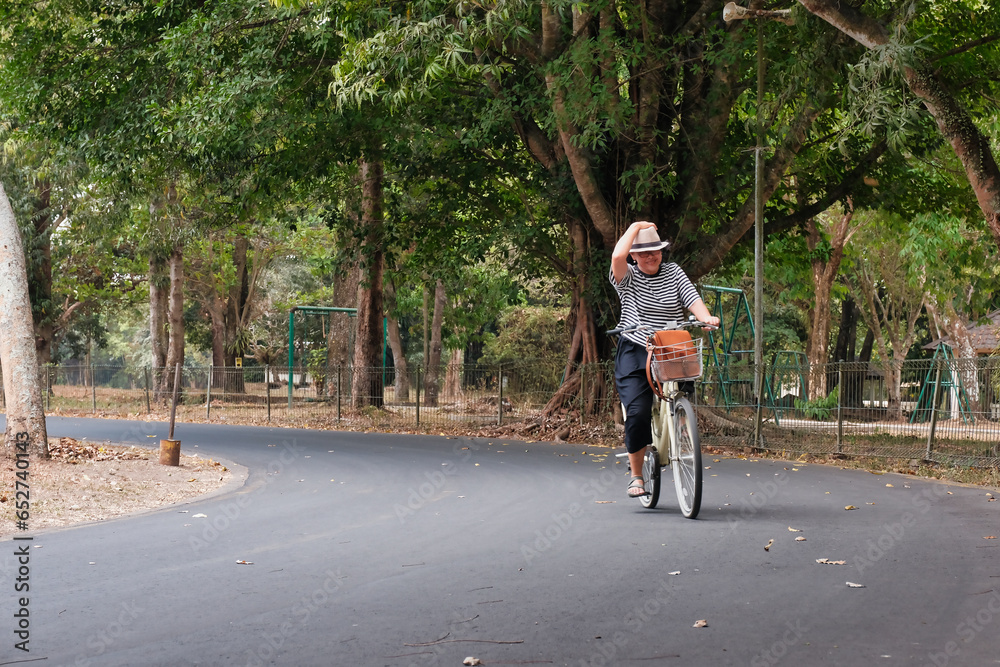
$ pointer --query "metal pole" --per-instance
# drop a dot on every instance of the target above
(145, 378)
(339, 366)
(840, 411)
(500, 399)
(173, 403)
(758, 224)
(418, 395)
(267, 390)
(208, 394)
(934, 402)
(93, 388)
(291, 352)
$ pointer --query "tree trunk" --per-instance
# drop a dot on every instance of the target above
(25, 432)
(175, 320)
(159, 288)
(824, 273)
(969, 144)
(367, 386)
(402, 384)
(453, 375)
(339, 340)
(237, 303)
(584, 346)
(215, 308)
(432, 379)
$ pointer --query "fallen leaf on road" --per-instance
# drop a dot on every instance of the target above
(244, 562)
(827, 561)
(472, 661)
(853, 585)
(199, 516)
(990, 537)
(767, 547)
(800, 539)
(603, 502)
(850, 507)
(701, 624)
(889, 485)
(793, 530)
(674, 573)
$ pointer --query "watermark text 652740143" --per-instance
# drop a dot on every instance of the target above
(22, 514)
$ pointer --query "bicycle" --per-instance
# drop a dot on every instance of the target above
(674, 357)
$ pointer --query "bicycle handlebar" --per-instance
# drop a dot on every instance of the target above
(684, 324)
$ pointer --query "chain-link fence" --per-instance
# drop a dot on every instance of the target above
(936, 410)
(941, 410)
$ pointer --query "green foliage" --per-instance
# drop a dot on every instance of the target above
(820, 409)
(528, 333)
(252, 111)
(316, 365)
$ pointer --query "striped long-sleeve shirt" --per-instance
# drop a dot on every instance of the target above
(653, 300)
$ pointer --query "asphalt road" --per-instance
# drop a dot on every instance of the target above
(371, 549)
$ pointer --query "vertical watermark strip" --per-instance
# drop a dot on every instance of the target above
(22, 515)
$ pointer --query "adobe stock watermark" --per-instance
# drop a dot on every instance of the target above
(270, 642)
(767, 490)
(893, 532)
(104, 639)
(231, 512)
(610, 651)
(563, 520)
(418, 496)
(774, 653)
(967, 631)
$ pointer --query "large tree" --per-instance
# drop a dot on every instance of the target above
(25, 430)
(952, 70)
(630, 110)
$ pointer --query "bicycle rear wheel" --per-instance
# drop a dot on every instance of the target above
(651, 478)
(686, 458)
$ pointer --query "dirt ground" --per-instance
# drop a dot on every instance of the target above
(86, 482)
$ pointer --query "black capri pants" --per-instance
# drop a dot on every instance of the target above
(635, 393)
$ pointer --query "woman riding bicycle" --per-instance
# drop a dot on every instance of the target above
(652, 293)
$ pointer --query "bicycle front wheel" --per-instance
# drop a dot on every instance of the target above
(686, 458)
(652, 463)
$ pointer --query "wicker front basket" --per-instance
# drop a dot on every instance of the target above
(677, 361)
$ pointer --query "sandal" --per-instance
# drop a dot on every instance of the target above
(636, 488)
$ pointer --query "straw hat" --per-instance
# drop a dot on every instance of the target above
(646, 240)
